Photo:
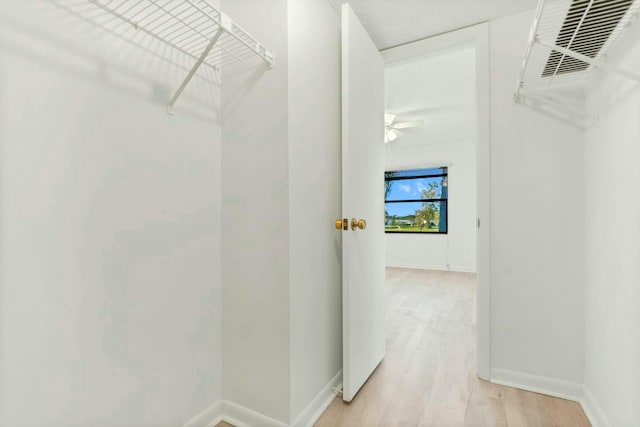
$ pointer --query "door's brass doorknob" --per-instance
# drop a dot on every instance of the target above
(342, 224)
(358, 223)
(338, 224)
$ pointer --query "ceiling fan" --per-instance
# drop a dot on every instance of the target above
(392, 130)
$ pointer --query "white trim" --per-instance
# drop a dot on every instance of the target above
(462, 269)
(210, 417)
(478, 36)
(418, 267)
(317, 406)
(240, 416)
(433, 267)
(538, 384)
(483, 203)
(416, 165)
(594, 412)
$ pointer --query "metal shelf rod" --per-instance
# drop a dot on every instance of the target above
(194, 28)
(266, 55)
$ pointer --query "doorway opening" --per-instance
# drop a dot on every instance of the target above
(430, 236)
(363, 81)
(443, 84)
(436, 123)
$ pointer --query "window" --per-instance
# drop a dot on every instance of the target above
(415, 201)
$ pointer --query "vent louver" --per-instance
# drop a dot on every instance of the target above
(568, 40)
(586, 28)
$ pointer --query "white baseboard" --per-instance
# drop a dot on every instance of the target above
(240, 416)
(210, 417)
(317, 406)
(538, 384)
(594, 412)
(418, 267)
(462, 269)
(433, 267)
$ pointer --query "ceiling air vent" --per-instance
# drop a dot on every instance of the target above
(585, 30)
(568, 40)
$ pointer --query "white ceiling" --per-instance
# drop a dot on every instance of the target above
(441, 91)
(395, 22)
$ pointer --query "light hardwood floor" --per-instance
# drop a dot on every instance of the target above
(427, 377)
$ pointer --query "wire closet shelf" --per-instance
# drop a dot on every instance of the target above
(193, 27)
(568, 39)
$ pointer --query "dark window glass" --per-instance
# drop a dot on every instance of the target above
(416, 201)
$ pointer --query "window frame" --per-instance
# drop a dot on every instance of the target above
(437, 200)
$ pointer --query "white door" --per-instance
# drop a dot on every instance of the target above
(362, 198)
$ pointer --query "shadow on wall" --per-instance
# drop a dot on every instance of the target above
(109, 224)
(564, 110)
(78, 38)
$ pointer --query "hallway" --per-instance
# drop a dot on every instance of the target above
(427, 377)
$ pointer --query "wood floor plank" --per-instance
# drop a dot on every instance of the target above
(427, 377)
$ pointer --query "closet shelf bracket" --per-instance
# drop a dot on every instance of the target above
(193, 71)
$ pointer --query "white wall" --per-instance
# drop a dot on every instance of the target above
(281, 183)
(315, 188)
(109, 228)
(456, 250)
(612, 230)
(440, 89)
(537, 238)
(110, 302)
(255, 218)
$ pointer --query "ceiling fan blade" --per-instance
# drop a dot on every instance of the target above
(389, 118)
(412, 124)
